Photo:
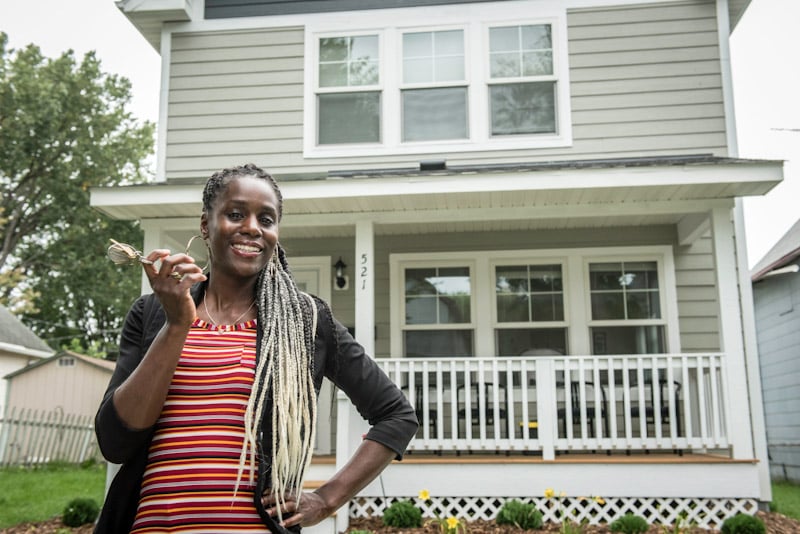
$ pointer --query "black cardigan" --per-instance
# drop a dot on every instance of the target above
(337, 356)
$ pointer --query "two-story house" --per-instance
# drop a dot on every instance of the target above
(529, 212)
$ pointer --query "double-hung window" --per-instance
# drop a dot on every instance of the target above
(438, 311)
(626, 310)
(522, 84)
(349, 92)
(529, 304)
(434, 89)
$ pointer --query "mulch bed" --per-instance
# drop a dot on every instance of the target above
(775, 523)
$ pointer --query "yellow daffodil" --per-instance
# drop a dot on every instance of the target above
(549, 493)
(424, 494)
(599, 500)
(562, 494)
(452, 523)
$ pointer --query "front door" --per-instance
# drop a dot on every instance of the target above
(313, 275)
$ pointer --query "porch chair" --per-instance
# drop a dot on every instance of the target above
(474, 408)
(663, 408)
(591, 412)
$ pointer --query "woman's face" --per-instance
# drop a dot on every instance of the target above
(242, 227)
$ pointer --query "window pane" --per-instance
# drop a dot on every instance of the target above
(607, 306)
(504, 39)
(417, 282)
(537, 63)
(536, 37)
(438, 296)
(547, 307)
(349, 118)
(546, 278)
(442, 52)
(418, 70)
(513, 308)
(356, 57)
(449, 69)
(643, 275)
(333, 49)
(643, 305)
(605, 276)
(628, 340)
(333, 75)
(505, 65)
(531, 341)
(421, 310)
(523, 108)
(430, 114)
(438, 343)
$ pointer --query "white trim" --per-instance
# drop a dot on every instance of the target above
(20, 350)
(321, 265)
(475, 21)
(574, 264)
(723, 33)
(163, 106)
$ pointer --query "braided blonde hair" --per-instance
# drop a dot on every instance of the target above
(284, 376)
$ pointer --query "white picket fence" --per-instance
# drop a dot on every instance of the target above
(30, 437)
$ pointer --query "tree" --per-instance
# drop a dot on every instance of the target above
(64, 128)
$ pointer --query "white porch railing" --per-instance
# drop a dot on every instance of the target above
(566, 403)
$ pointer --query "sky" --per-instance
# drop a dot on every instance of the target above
(765, 54)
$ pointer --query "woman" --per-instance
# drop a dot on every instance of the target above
(212, 404)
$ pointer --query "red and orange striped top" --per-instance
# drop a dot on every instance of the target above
(188, 486)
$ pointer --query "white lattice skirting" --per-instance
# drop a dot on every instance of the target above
(705, 513)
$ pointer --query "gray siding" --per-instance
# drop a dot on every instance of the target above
(777, 313)
(644, 81)
(698, 304)
(697, 300)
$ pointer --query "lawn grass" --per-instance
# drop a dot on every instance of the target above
(786, 499)
(41, 493)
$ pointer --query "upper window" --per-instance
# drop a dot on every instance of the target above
(434, 91)
(478, 83)
(522, 85)
(349, 90)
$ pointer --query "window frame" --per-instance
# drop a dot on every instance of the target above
(434, 264)
(390, 25)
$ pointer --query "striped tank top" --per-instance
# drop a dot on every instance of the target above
(192, 465)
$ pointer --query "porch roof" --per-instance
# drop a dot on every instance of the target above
(598, 192)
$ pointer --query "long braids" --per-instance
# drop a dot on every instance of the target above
(284, 372)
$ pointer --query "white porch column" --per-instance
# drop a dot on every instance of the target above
(350, 429)
(751, 356)
(738, 414)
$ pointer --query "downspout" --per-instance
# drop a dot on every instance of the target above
(752, 370)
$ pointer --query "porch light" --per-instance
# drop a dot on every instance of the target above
(341, 278)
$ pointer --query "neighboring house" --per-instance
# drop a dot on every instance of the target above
(50, 409)
(19, 347)
(776, 293)
(538, 205)
(68, 382)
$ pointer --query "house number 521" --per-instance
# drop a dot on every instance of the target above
(364, 270)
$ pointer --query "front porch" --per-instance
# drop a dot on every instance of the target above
(624, 403)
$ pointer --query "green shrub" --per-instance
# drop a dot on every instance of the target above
(402, 514)
(80, 511)
(519, 514)
(743, 524)
(629, 524)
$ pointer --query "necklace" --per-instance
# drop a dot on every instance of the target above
(235, 321)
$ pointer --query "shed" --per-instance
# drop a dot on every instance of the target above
(776, 299)
(66, 381)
